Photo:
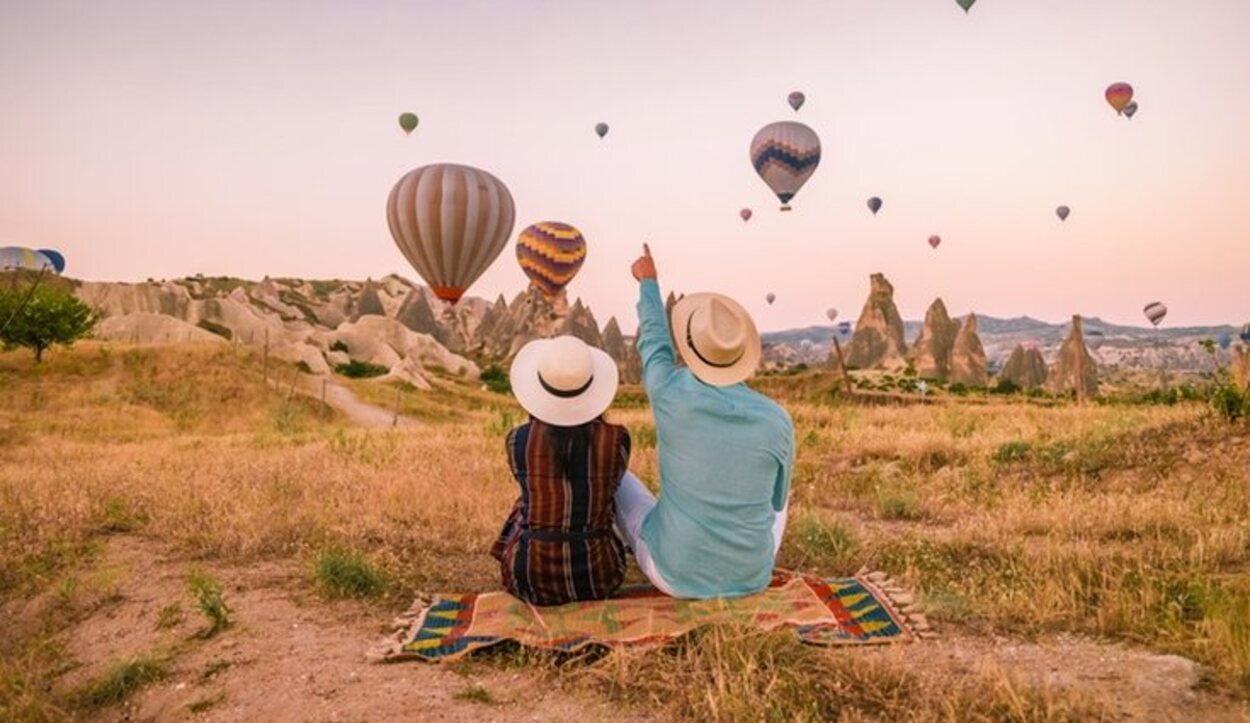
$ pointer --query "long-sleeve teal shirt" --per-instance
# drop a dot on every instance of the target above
(726, 454)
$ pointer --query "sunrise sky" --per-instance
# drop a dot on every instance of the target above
(162, 139)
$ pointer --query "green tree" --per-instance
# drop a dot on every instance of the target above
(38, 317)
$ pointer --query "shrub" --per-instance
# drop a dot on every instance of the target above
(361, 370)
(1006, 386)
(217, 329)
(39, 316)
(340, 346)
(123, 680)
(496, 379)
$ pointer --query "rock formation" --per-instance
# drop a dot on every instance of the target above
(625, 354)
(369, 303)
(931, 354)
(878, 342)
(968, 364)
(1073, 355)
(581, 323)
(383, 341)
(1026, 368)
(147, 328)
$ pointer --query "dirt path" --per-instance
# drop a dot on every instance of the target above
(358, 411)
(289, 656)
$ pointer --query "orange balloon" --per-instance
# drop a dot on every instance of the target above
(1119, 95)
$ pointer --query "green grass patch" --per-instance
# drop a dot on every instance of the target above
(210, 597)
(122, 681)
(345, 573)
(476, 694)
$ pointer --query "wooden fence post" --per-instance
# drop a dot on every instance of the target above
(266, 355)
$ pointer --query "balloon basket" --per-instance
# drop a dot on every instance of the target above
(785, 208)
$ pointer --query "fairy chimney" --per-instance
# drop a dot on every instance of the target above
(878, 342)
(1073, 356)
(1025, 368)
(931, 354)
(968, 363)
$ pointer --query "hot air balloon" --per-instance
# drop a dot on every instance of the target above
(1119, 95)
(1130, 110)
(785, 154)
(1155, 311)
(14, 258)
(844, 328)
(550, 253)
(935, 241)
(1062, 212)
(796, 100)
(745, 214)
(408, 121)
(966, 4)
(874, 205)
(601, 129)
(1245, 334)
(770, 297)
(831, 313)
(57, 259)
(1095, 339)
(1225, 340)
(450, 222)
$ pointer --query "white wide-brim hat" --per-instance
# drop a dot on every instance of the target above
(716, 338)
(563, 381)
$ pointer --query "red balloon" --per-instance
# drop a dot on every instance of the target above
(935, 241)
(745, 214)
(1119, 95)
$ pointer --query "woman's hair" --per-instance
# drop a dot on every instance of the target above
(567, 439)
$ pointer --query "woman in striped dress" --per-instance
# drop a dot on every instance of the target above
(560, 542)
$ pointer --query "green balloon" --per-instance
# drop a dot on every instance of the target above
(408, 121)
(966, 4)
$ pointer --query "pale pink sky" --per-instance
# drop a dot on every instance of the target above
(161, 139)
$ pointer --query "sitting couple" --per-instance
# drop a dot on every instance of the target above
(725, 452)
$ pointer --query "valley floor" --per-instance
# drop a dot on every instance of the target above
(1078, 563)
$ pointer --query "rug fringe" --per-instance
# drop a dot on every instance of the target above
(390, 648)
(904, 602)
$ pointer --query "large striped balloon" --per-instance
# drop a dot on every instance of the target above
(1155, 311)
(451, 222)
(785, 154)
(16, 257)
(550, 253)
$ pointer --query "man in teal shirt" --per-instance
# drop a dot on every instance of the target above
(726, 451)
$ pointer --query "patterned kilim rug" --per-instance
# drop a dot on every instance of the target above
(861, 610)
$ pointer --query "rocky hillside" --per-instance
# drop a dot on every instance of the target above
(392, 322)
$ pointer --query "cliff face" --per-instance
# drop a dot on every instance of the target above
(878, 342)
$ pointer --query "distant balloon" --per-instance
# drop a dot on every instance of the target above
(408, 121)
(1094, 339)
(601, 129)
(58, 261)
(770, 297)
(844, 328)
(1062, 212)
(1130, 110)
(1155, 311)
(13, 258)
(550, 253)
(450, 222)
(796, 100)
(1119, 95)
(874, 205)
(745, 214)
(966, 4)
(785, 154)
(1225, 340)
(831, 313)
(935, 241)
(1245, 333)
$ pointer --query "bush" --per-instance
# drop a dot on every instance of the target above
(122, 680)
(38, 316)
(217, 329)
(496, 379)
(1006, 386)
(360, 370)
(340, 346)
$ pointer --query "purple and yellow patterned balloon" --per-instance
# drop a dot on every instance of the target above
(785, 155)
(550, 253)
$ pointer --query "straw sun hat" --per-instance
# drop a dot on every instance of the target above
(563, 381)
(716, 338)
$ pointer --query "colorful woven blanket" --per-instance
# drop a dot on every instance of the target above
(860, 610)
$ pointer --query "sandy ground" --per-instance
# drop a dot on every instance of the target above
(293, 656)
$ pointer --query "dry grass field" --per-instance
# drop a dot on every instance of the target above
(180, 540)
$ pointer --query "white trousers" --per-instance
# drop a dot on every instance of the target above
(634, 502)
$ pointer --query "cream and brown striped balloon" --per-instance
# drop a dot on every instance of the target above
(451, 222)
